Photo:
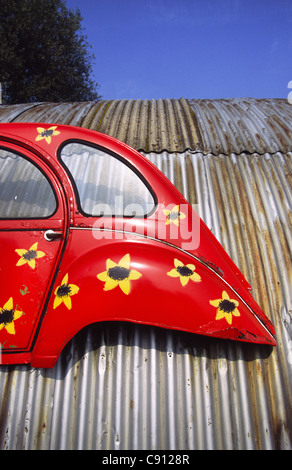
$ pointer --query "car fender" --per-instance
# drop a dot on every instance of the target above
(141, 281)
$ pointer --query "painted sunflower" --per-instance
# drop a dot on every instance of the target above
(184, 272)
(8, 315)
(29, 256)
(173, 216)
(46, 134)
(64, 293)
(226, 307)
(119, 274)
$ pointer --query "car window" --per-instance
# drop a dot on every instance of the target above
(106, 185)
(25, 192)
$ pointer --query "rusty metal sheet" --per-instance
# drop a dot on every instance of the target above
(175, 125)
(151, 126)
(244, 125)
(137, 387)
(9, 113)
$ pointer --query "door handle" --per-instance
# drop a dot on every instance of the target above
(51, 235)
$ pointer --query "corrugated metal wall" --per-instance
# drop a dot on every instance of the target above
(123, 386)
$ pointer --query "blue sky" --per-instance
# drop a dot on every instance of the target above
(148, 49)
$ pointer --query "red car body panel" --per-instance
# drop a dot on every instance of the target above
(164, 269)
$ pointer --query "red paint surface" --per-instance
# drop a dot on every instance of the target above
(209, 280)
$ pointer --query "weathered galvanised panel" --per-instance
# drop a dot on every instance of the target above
(126, 386)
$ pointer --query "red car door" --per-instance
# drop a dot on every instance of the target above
(32, 232)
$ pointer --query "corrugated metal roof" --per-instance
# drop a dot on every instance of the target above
(244, 125)
(122, 386)
(151, 126)
(9, 113)
(176, 125)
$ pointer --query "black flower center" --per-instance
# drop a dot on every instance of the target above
(118, 273)
(64, 290)
(29, 255)
(47, 133)
(184, 271)
(227, 306)
(173, 215)
(6, 316)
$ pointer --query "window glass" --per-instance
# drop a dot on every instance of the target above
(25, 192)
(106, 185)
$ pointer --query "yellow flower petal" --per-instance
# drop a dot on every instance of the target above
(57, 301)
(67, 301)
(134, 275)
(125, 286)
(229, 318)
(17, 314)
(236, 312)
(215, 302)
(220, 314)
(184, 280)
(31, 263)
(191, 266)
(21, 262)
(125, 262)
(21, 251)
(102, 276)
(34, 247)
(195, 277)
(173, 273)
(65, 279)
(225, 296)
(178, 263)
(40, 131)
(8, 305)
(110, 284)
(74, 289)
(110, 264)
(10, 328)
